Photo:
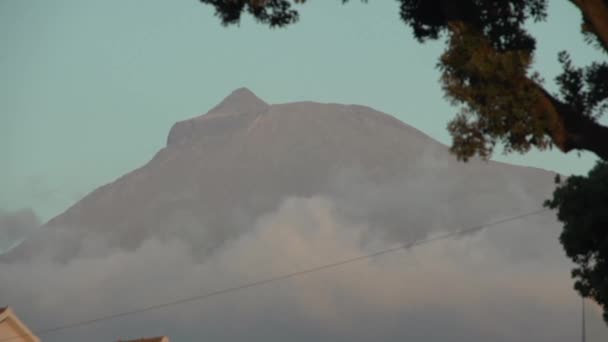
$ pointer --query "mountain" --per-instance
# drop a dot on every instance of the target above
(221, 171)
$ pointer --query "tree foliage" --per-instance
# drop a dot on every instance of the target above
(275, 13)
(581, 203)
(487, 72)
(494, 96)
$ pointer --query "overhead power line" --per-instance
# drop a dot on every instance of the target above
(285, 276)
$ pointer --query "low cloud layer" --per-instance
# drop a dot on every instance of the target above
(508, 283)
(15, 226)
(429, 197)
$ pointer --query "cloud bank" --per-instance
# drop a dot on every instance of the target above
(508, 283)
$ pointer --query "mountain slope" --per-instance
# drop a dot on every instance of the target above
(220, 171)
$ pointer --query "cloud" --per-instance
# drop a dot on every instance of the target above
(486, 286)
(429, 196)
(15, 226)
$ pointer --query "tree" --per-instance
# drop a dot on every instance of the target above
(487, 73)
(582, 204)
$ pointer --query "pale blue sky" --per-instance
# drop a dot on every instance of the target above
(90, 88)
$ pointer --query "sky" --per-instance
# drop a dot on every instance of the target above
(91, 88)
(89, 92)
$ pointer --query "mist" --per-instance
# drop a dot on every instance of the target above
(481, 286)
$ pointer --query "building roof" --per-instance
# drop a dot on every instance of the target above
(150, 339)
(7, 316)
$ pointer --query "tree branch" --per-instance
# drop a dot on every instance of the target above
(595, 13)
(572, 130)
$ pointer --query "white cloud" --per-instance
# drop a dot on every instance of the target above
(476, 287)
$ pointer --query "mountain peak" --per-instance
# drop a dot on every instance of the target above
(240, 101)
(242, 92)
(240, 104)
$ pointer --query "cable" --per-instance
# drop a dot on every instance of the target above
(401, 247)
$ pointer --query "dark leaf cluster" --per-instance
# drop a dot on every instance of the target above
(275, 13)
(500, 21)
(581, 203)
(584, 88)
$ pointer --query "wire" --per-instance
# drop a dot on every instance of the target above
(401, 247)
